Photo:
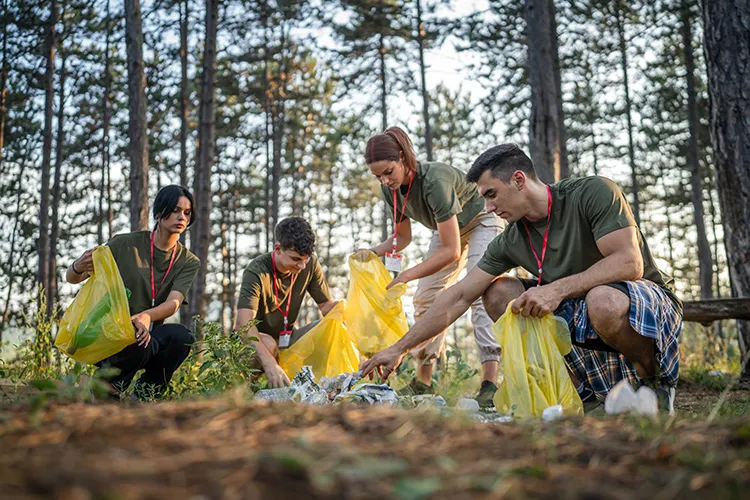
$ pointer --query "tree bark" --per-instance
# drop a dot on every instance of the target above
(705, 262)
(384, 120)
(49, 80)
(425, 94)
(727, 53)
(138, 143)
(54, 234)
(200, 237)
(628, 108)
(184, 95)
(547, 125)
(3, 78)
(706, 311)
(267, 96)
(104, 192)
(12, 250)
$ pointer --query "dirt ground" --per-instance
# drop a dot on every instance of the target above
(229, 448)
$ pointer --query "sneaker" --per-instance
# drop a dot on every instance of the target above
(665, 394)
(590, 402)
(415, 388)
(486, 395)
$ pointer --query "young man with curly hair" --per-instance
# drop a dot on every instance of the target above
(273, 287)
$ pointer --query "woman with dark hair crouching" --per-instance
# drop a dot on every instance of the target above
(158, 270)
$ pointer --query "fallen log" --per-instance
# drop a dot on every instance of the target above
(707, 311)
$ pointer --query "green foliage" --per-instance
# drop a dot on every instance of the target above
(216, 364)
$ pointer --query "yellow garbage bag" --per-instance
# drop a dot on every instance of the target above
(97, 324)
(536, 376)
(374, 316)
(327, 348)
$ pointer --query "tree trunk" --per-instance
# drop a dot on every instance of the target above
(384, 120)
(12, 250)
(104, 193)
(628, 107)
(52, 271)
(547, 126)
(267, 95)
(49, 80)
(184, 94)
(3, 79)
(727, 50)
(138, 143)
(705, 262)
(225, 264)
(200, 237)
(425, 94)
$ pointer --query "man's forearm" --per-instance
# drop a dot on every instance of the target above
(448, 307)
(611, 269)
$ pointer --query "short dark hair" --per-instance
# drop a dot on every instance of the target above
(166, 201)
(502, 161)
(295, 233)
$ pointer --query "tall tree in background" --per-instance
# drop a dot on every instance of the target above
(620, 16)
(547, 125)
(105, 188)
(59, 153)
(372, 38)
(425, 95)
(49, 80)
(705, 261)
(184, 9)
(727, 50)
(4, 20)
(138, 142)
(200, 238)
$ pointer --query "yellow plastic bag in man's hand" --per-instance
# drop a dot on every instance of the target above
(327, 348)
(536, 376)
(374, 316)
(97, 324)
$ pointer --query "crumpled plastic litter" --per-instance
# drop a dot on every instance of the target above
(302, 389)
(467, 404)
(335, 385)
(491, 417)
(428, 401)
(369, 393)
(552, 413)
(622, 398)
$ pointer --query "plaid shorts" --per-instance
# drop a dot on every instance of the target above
(652, 314)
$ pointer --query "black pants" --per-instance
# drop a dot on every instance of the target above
(170, 345)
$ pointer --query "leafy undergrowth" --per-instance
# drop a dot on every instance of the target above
(226, 447)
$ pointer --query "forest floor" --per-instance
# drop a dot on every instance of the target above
(227, 447)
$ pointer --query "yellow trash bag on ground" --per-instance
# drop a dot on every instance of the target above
(327, 348)
(374, 316)
(97, 324)
(536, 376)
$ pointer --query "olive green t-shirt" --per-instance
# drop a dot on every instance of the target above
(132, 253)
(257, 292)
(583, 210)
(438, 192)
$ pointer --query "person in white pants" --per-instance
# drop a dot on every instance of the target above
(438, 196)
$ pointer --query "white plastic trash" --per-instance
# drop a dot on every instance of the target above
(622, 398)
(552, 413)
(467, 404)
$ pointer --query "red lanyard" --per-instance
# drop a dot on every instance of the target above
(276, 292)
(397, 222)
(171, 261)
(546, 235)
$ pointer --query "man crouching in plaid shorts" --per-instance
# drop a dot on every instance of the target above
(592, 267)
